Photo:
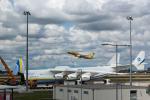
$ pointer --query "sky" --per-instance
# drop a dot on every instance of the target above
(59, 26)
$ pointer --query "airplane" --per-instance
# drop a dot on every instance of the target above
(82, 73)
(99, 71)
(78, 55)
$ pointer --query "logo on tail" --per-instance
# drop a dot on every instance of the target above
(139, 61)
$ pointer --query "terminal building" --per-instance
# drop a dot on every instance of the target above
(100, 92)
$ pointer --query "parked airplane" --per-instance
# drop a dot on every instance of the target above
(60, 72)
(85, 56)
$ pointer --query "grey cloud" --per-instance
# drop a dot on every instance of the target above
(117, 6)
(79, 7)
(44, 21)
(101, 26)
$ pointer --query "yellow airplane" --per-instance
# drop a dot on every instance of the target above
(77, 54)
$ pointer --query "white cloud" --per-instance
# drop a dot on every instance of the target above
(81, 36)
(40, 8)
(54, 30)
(19, 38)
(34, 29)
(6, 31)
(5, 5)
(58, 51)
(56, 26)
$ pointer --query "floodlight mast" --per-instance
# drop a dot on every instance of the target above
(130, 18)
(27, 13)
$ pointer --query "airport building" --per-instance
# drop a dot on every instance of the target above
(100, 92)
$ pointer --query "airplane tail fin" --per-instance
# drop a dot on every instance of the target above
(139, 61)
(112, 61)
(19, 68)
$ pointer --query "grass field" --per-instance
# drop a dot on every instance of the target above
(35, 95)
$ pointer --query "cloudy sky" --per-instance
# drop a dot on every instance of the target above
(59, 26)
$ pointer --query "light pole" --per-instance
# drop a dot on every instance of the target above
(80, 70)
(116, 45)
(130, 20)
(27, 13)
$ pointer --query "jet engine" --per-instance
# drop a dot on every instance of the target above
(86, 76)
(73, 76)
(60, 75)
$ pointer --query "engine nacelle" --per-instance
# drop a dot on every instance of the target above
(60, 75)
(72, 76)
(86, 76)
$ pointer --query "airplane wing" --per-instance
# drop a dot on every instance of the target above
(62, 69)
(122, 67)
(76, 54)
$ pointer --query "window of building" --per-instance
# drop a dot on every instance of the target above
(148, 90)
(75, 91)
(73, 98)
(60, 90)
(69, 90)
(133, 95)
(86, 92)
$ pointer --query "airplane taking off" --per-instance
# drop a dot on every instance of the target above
(85, 56)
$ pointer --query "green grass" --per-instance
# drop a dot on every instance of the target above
(36, 95)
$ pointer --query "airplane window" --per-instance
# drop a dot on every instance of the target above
(133, 95)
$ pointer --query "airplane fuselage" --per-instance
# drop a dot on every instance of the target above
(43, 74)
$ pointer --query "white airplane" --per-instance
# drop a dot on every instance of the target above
(60, 72)
(42, 74)
(99, 71)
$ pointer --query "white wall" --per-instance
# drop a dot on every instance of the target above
(101, 94)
